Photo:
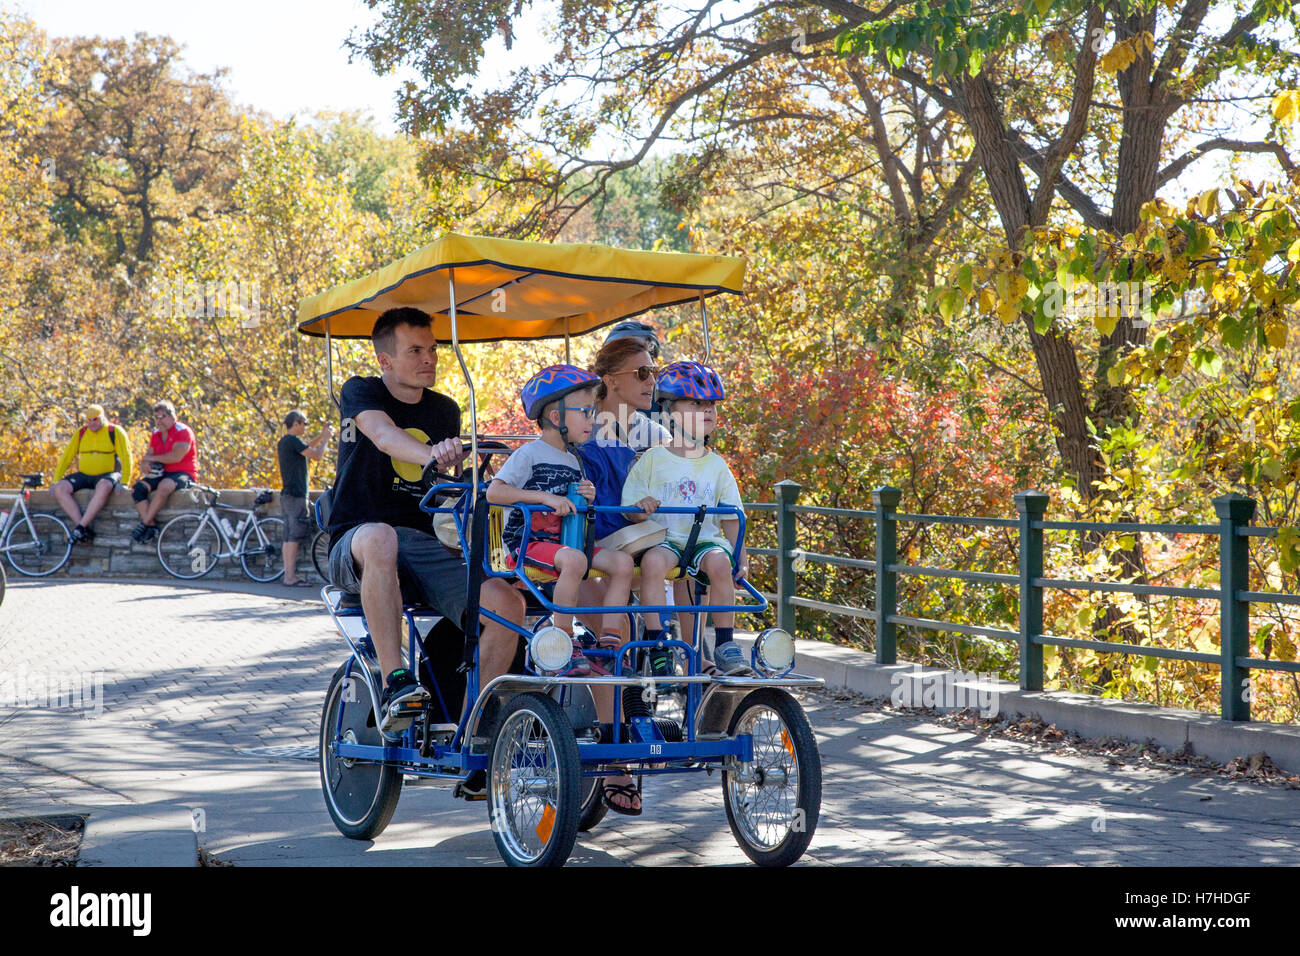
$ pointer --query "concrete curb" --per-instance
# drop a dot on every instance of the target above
(139, 836)
(912, 685)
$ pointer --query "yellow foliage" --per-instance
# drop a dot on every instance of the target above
(1286, 107)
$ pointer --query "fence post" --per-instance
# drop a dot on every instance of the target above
(1234, 511)
(1031, 506)
(885, 499)
(787, 540)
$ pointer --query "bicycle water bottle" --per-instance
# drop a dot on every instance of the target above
(4, 519)
(573, 528)
(229, 528)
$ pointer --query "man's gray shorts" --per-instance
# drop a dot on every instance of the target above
(294, 512)
(428, 572)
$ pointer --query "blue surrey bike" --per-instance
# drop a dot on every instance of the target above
(535, 734)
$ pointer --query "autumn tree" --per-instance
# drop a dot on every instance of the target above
(1047, 134)
(136, 142)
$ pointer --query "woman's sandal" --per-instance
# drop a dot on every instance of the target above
(610, 790)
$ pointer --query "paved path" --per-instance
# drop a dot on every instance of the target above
(192, 677)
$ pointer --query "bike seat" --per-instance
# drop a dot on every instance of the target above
(33, 481)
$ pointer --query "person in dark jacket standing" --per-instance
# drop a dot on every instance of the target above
(293, 451)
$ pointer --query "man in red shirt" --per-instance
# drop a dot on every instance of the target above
(173, 464)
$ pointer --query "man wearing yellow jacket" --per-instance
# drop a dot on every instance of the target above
(104, 455)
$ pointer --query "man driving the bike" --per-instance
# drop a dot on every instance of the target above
(380, 540)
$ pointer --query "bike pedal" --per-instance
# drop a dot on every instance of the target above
(460, 793)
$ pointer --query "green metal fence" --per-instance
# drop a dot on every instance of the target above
(1233, 530)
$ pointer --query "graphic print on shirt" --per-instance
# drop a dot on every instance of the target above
(553, 479)
(689, 492)
(408, 475)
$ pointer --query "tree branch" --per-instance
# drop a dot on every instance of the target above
(1085, 66)
(1236, 145)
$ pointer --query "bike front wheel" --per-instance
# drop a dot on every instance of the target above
(188, 546)
(773, 801)
(260, 549)
(38, 545)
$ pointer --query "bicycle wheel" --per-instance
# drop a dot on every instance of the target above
(534, 781)
(2, 583)
(320, 554)
(189, 546)
(38, 545)
(359, 795)
(773, 802)
(593, 807)
(259, 549)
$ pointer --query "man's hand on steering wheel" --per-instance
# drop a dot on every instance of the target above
(444, 456)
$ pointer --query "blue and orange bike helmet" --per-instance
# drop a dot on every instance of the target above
(551, 384)
(689, 380)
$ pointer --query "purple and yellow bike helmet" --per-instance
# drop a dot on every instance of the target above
(689, 380)
(551, 384)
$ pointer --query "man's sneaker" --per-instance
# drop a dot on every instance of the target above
(87, 534)
(401, 702)
(150, 532)
(78, 534)
(729, 659)
(139, 531)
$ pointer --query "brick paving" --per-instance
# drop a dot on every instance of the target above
(192, 676)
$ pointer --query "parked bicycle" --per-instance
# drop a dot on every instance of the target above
(36, 545)
(320, 546)
(190, 545)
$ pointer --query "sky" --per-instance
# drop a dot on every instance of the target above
(284, 57)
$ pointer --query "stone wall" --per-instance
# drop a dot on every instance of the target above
(114, 554)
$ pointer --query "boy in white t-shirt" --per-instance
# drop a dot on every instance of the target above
(560, 399)
(686, 473)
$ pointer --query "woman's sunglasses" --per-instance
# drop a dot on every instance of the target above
(643, 372)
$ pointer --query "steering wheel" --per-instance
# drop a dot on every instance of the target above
(432, 476)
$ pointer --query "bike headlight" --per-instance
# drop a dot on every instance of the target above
(550, 648)
(774, 650)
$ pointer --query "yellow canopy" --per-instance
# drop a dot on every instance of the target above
(509, 289)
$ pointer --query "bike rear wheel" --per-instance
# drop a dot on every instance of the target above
(189, 546)
(260, 549)
(359, 795)
(320, 554)
(38, 545)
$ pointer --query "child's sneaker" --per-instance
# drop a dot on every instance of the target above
(661, 663)
(578, 665)
(729, 659)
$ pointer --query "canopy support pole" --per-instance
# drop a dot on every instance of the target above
(469, 383)
(329, 369)
(704, 322)
(567, 359)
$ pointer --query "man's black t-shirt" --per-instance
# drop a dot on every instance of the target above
(293, 466)
(370, 485)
